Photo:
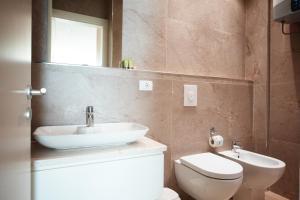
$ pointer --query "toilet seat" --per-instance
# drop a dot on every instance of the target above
(213, 166)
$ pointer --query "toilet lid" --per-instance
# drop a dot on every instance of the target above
(213, 166)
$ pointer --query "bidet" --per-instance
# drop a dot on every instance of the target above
(260, 172)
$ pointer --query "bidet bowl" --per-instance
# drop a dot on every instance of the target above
(260, 172)
(81, 136)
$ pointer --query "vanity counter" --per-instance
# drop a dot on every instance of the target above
(44, 159)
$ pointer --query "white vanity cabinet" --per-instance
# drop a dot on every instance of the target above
(130, 172)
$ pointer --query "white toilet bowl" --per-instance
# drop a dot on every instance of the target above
(207, 176)
(169, 194)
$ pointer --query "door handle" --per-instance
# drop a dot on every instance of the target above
(30, 92)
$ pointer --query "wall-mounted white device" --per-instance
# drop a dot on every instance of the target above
(287, 11)
(190, 95)
(145, 85)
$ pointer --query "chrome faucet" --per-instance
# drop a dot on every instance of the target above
(89, 116)
(236, 147)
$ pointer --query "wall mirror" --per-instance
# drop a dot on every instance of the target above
(80, 32)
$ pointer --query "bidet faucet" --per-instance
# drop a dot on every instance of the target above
(89, 116)
(236, 147)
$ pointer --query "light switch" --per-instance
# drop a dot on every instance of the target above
(190, 95)
(145, 85)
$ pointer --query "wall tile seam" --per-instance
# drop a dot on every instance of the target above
(166, 34)
(244, 40)
(284, 141)
(291, 82)
(227, 33)
(171, 121)
(137, 74)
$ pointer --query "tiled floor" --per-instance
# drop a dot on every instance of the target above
(272, 196)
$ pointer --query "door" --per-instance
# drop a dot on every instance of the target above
(15, 75)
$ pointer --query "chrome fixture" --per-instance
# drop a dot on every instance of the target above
(30, 92)
(212, 131)
(89, 116)
(236, 147)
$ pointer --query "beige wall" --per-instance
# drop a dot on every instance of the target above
(187, 37)
(198, 37)
(285, 106)
(256, 67)
(225, 104)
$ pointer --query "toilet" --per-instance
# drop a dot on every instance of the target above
(169, 194)
(207, 176)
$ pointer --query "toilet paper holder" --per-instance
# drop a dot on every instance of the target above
(214, 139)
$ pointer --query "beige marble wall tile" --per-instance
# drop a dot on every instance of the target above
(261, 146)
(193, 49)
(189, 37)
(285, 112)
(284, 105)
(288, 186)
(256, 45)
(204, 39)
(285, 67)
(144, 33)
(260, 111)
(228, 108)
(285, 62)
(256, 67)
(225, 16)
(114, 98)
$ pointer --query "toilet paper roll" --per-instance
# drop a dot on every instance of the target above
(216, 141)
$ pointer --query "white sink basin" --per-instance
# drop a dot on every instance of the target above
(260, 171)
(80, 136)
